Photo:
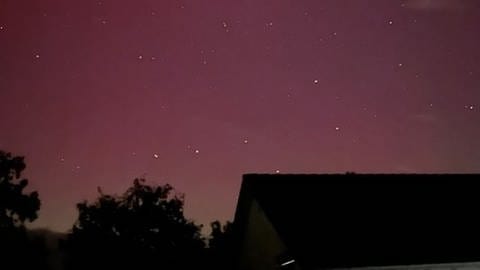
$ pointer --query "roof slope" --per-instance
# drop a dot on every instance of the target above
(350, 220)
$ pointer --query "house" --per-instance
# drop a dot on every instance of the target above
(345, 221)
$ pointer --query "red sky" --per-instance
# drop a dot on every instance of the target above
(196, 93)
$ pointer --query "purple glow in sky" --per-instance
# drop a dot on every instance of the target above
(196, 93)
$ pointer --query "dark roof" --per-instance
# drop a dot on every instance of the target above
(348, 220)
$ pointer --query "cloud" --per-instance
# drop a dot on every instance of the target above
(402, 168)
(435, 5)
(426, 118)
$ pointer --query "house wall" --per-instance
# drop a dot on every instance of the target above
(261, 244)
(445, 266)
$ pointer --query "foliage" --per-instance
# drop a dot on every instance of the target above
(16, 206)
(221, 244)
(146, 225)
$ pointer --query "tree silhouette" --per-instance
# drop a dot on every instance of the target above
(144, 226)
(221, 245)
(16, 207)
(220, 236)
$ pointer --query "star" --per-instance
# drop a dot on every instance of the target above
(315, 81)
(156, 156)
(245, 141)
(37, 56)
(197, 151)
(225, 26)
(337, 128)
(277, 171)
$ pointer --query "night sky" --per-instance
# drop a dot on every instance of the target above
(196, 93)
